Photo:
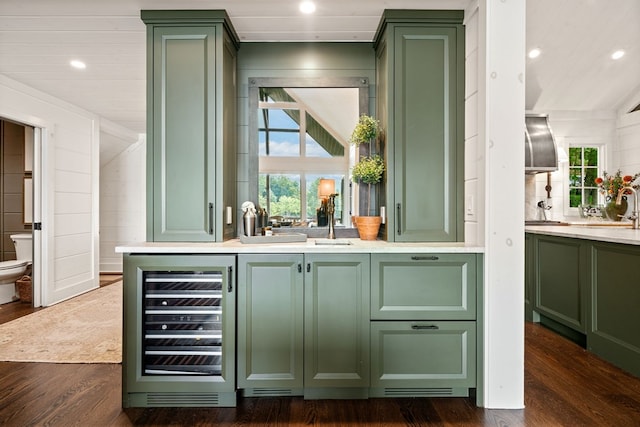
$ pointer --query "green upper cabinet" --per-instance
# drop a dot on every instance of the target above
(420, 88)
(191, 125)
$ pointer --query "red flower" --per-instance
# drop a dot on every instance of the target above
(599, 180)
(627, 178)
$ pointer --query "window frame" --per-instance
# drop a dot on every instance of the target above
(575, 211)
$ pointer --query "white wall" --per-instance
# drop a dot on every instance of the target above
(625, 152)
(69, 182)
(122, 197)
(474, 154)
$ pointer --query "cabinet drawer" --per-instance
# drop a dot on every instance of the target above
(423, 286)
(423, 355)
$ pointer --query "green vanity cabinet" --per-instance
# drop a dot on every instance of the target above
(191, 125)
(270, 324)
(424, 324)
(615, 304)
(420, 87)
(303, 325)
(561, 284)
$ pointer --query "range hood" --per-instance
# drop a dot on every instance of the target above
(540, 153)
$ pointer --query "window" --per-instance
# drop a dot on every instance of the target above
(295, 151)
(584, 168)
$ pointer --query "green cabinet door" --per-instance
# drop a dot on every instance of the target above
(529, 277)
(336, 321)
(422, 358)
(422, 110)
(270, 324)
(190, 125)
(561, 286)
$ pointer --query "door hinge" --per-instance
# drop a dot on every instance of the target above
(37, 226)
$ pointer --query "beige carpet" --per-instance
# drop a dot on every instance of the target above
(84, 329)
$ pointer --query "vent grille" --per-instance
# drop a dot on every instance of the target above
(417, 392)
(273, 392)
(182, 399)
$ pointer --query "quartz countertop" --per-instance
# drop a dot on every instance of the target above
(345, 246)
(603, 232)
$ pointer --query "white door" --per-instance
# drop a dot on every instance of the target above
(70, 214)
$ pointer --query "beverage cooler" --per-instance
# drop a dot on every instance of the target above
(179, 331)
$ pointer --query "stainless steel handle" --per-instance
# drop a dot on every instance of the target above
(420, 327)
(399, 209)
(422, 258)
(230, 282)
(210, 218)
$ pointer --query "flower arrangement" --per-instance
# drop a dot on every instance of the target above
(610, 185)
(369, 169)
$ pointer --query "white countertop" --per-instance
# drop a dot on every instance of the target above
(612, 232)
(356, 246)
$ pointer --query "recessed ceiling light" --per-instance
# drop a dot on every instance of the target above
(75, 63)
(617, 54)
(534, 53)
(307, 7)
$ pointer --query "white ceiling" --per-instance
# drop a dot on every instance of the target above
(38, 38)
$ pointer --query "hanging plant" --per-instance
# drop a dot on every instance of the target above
(365, 131)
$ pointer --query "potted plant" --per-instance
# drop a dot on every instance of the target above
(368, 170)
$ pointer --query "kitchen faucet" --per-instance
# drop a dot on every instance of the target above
(634, 212)
(331, 209)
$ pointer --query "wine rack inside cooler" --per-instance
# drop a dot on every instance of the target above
(182, 323)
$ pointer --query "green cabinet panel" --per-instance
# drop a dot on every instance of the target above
(422, 55)
(423, 286)
(161, 387)
(191, 125)
(529, 277)
(423, 358)
(560, 283)
(270, 324)
(615, 305)
(336, 320)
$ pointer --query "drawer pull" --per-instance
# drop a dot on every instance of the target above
(419, 327)
(423, 258)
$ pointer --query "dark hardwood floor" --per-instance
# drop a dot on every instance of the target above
(564, 386)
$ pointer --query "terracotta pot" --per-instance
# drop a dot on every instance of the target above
(368, 227)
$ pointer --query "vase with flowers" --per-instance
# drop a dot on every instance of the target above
(610, 186)
(368, 170)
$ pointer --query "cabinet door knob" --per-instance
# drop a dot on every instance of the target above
(420, 327)
(299, 268)
(308, 267)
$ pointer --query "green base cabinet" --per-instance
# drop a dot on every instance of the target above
(586, 291)
(324, 295)
(191, 125)
(270, 324)
(420, 85)
(424, 324)
(561, 284)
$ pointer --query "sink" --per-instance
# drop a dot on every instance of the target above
(333, 242)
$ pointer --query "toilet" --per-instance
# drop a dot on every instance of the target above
(10, 271)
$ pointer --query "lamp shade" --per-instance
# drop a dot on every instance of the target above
(326, 187)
